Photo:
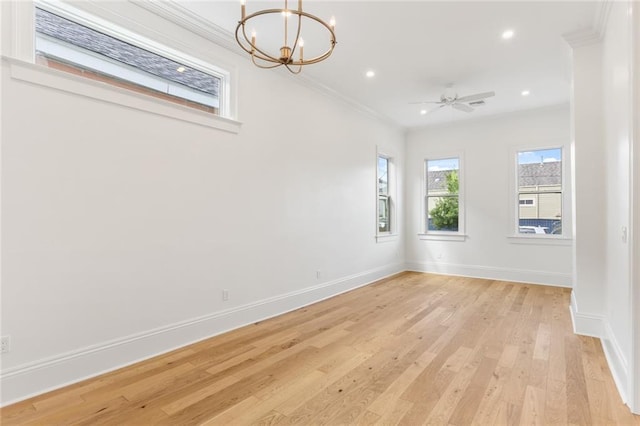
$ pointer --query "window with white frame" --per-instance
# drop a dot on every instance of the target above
(384, 196)
(80, 49)
(442, 200)
(539, 192)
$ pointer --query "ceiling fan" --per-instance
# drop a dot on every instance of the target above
(459, 103)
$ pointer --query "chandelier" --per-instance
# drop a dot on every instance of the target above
(291, 54)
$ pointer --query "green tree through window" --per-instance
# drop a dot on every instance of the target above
(445, 213)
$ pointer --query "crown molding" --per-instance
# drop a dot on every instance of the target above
(177, 13)
(583, 37)
(314, 84)
(601, 17)
(595, 33)
(172, 11)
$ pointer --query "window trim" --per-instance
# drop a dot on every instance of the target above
(71, 83)
(460, 234)
(228, 86)
(392, 234)
(387, 195)
(513, 235)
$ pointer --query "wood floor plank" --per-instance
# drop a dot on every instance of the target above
(453, 393)
(543, 341)
(470, 399)
(578, 410)
(395, 413)
(556, 402)
(387, 401)
(533, 407)
(341, 367)
(491, 401)
(411, 349)
(179, 404)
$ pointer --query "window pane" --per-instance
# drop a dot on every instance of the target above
(442, 213)
(383, 175)
(540, 170)
(442, 176)
(384, 214)
(65, 41)
(540, 191)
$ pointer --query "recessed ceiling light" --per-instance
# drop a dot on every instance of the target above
(423, 112)
(525, 93)
(507, 34)
(181, 69)
(370, 73)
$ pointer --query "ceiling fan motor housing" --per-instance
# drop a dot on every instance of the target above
(448, 98)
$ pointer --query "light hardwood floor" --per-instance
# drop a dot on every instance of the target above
(413, 349)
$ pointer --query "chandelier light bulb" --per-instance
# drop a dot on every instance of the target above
(301, 44)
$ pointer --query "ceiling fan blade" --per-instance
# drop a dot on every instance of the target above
(425, 102)
(462, 107)
(431, 110)
(476, 97)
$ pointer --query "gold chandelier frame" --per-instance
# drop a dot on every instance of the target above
(262, 59)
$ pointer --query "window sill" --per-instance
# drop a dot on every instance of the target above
(547, 240)
(385, 238)
(59, 80)
(443, 236)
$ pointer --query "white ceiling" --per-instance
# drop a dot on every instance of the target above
(419, 48)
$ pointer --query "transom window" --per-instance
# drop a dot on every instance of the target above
(69, 46)
(540, 190)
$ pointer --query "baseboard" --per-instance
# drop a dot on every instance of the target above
(492, 273)
(617, 361)
(35, 378)
(586, 324)
(598, 326)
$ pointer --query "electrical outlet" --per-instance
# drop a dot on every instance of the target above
(225, 295)
(5, 344)
(318, 274)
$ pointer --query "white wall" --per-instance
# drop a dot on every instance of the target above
(618, 157)
(589, 193)
(602, 122)
(488, 147)
(635, 260)
(121, 228)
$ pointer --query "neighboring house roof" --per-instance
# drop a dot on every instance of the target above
(437, 180)
(62, 29)
(538, 174)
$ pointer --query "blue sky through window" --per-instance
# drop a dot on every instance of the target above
(382, 168)
(540, 156)
(383, 175)
(443, 164)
